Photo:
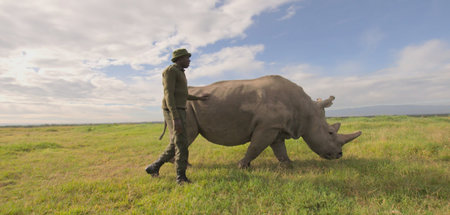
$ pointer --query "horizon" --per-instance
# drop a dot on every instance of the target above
(329, 113)
(102, 61)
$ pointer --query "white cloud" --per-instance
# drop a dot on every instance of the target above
(421, 74)
(290, 12)
(137, 32)
(52, 53)
(236, 60)
(66, 113)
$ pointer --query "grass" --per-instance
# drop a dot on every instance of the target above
(400, 165)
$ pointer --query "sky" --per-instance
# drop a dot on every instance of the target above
(64, 62)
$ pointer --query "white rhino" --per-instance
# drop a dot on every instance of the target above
(264, 111)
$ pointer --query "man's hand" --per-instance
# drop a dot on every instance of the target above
(178, 126)
(204, 97)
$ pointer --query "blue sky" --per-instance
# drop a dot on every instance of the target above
(101, 61)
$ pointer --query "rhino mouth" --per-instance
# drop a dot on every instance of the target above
(331, 156)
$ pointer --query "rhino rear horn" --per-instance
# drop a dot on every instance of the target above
(349, 137)
(325, 103)
(336, 126)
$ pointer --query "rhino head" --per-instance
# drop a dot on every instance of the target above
(323, 138)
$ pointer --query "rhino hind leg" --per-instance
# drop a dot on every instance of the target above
(261, 139)
(192, 124)
(279, 150)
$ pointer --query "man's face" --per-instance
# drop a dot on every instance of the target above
(184, 61)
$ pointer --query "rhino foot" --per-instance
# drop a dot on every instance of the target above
(243, 165)
(286, 164)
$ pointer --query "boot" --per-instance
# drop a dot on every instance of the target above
(181, 177)
(153, 169)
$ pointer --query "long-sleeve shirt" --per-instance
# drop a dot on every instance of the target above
(175, 90)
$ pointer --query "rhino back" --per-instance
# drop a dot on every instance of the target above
(236, 108)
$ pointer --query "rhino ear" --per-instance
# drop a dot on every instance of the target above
(325, 103)
(336, 126)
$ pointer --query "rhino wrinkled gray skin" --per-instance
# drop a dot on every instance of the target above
(265, 111)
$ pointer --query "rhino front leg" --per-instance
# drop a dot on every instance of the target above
(279, 149)
(261, 139)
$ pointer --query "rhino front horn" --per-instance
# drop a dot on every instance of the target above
(349, 137)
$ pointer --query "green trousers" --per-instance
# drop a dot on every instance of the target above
(178, 145)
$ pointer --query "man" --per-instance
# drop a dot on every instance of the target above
(174, 108)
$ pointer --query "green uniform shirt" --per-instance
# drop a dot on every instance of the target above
(175, 90)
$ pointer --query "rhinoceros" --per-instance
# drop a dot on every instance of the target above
(265, 112)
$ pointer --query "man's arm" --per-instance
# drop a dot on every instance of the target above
(203, 98)
(191, 97)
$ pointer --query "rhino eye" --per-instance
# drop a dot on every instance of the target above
(330, 132)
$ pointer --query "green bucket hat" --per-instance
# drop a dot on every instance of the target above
(179, 53)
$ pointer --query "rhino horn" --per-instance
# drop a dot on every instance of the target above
(325, 103)
(345, 138)
(336, 126)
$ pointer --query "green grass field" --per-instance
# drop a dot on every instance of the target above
(400, 165)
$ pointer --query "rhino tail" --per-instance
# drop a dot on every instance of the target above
(164, 131)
